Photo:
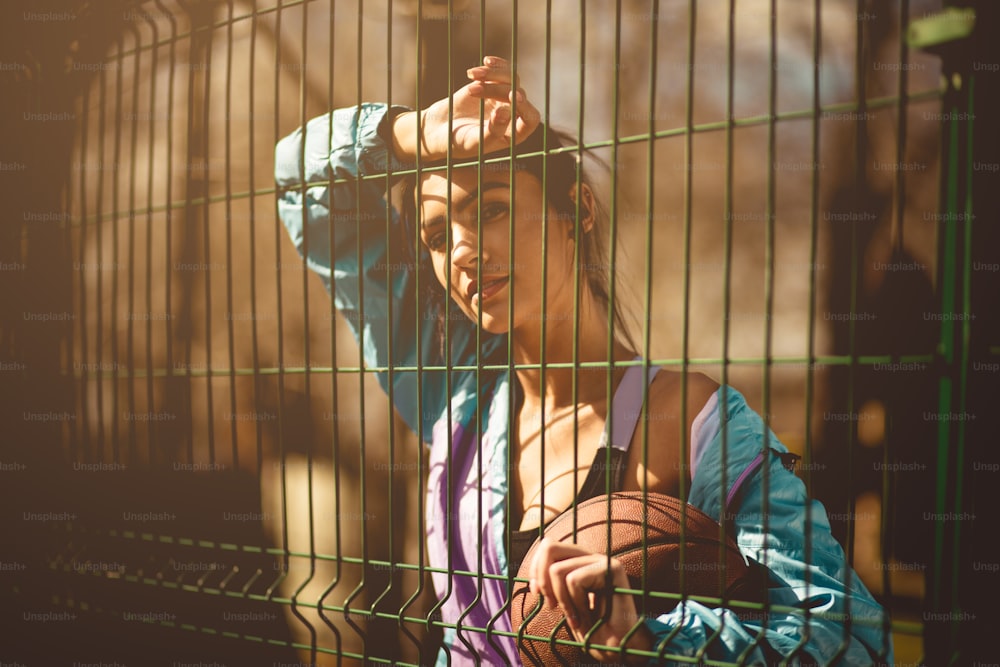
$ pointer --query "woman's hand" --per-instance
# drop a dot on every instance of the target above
(574, 580)
(491, 83)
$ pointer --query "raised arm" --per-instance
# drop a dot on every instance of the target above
(494, 85)
(331, 199)
(340, 226)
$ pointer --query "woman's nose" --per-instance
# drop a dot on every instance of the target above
(464, 253)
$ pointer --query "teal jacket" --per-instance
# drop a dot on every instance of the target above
(818, 609)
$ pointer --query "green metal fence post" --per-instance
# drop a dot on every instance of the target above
(952, 628)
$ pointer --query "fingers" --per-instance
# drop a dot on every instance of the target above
(496, 91)
(494, 68)
(576, 580)
(499, 120)
(494, 81)
(571, 582)
(566, 575)
(528, 117)
(548, 553)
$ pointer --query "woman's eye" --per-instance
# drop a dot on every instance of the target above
(493, 209)
(436, 241)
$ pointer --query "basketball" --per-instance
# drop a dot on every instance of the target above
(632, 516)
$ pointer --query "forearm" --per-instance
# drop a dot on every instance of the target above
(404, 136)
(327, 155)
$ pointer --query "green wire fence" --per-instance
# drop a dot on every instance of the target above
(201, 467)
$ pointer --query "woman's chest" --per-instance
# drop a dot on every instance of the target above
(553, 458)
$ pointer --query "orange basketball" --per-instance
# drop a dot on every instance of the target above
(658, 518)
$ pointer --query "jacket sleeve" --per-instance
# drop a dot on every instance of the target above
(368, 266)
(844, 624)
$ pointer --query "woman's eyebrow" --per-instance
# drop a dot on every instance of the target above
(472, 196)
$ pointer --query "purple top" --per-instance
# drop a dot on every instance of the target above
(474, 515)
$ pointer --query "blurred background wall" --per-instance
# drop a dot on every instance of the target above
(189, 358)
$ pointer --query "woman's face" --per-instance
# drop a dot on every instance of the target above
(484, 283)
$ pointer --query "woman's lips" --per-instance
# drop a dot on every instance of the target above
(489, 288)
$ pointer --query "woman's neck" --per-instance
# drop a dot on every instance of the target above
(557, 391)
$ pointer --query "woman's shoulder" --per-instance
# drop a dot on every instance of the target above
(669, 388)
(672, 395)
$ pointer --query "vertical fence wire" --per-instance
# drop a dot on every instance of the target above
(480, 398)
(479, 271)
(612, 285)
(150, 395)
(902, 123)
(453, 506)
(418, 323)
(80, 449)
(306, 378)
(168, 213)
(390, 242)
(362, 445)
(814, 186)
(860, 191)
(648, 205)
(965, 322)
(770, 208)
(577, 256)
(688, 213)
(98, 312)
(689, 160)
(228, 193)
(336, 443)
(897, 231)
(946, 280)
(130, 326)
(115, 260)
(252, 234)
(420, 103)
(206, 17)
(186, 230)
(282, 455)
(955, 293)
(727, 245)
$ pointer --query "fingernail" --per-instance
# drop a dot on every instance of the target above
(519, 96)
(532, 586)
(488, 60)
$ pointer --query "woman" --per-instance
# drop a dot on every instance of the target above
(490, 431)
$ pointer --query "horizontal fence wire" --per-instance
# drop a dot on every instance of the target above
(881, 102)
(925, 361)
